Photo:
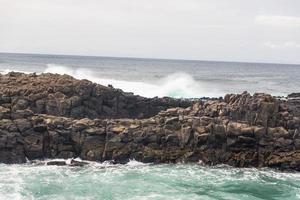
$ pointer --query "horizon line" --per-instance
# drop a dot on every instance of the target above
(149, 58)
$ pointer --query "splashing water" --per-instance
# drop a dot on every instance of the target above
(178, 85)
(145, 181)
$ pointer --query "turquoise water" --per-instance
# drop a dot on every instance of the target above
(139, 181)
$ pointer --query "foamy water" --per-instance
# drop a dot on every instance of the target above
(136, 180)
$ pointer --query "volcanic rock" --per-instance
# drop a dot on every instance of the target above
(57, 116)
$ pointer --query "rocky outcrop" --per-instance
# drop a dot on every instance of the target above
(62, 95)
(241, 130)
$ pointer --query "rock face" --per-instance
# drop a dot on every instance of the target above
(54, 116)
(65, 96)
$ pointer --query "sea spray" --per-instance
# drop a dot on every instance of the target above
(177, 85)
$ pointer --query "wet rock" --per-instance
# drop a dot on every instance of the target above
(78, 163)
(56, 162)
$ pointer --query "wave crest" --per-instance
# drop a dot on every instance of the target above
(177, 85)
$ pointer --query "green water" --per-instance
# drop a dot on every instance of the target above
(139, 181)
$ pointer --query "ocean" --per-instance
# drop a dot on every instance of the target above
(134, 180)
(158, 77)
(137, 181)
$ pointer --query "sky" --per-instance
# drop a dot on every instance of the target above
(231, 30)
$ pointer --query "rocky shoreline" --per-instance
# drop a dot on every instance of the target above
(57, 116)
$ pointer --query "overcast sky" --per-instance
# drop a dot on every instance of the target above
(230, 30)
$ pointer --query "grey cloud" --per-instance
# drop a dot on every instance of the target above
(184, 29)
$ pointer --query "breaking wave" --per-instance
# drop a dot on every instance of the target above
(178, 85)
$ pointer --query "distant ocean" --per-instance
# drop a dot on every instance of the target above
(159, 77)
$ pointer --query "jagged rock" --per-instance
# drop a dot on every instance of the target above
(54, 116)
(62, 95)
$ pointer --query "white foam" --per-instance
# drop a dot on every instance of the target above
(134, 163)
(6, 71)
(179, 84)
(12, 182)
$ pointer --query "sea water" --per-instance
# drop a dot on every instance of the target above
(139, 181)
(149, 77)
(153, 77)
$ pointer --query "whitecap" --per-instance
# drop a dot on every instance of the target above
(177, 85)
(134, 163)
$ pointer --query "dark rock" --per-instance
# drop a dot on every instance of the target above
(56, 162)
(54, 116)
(78, 163)
(294, 95)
